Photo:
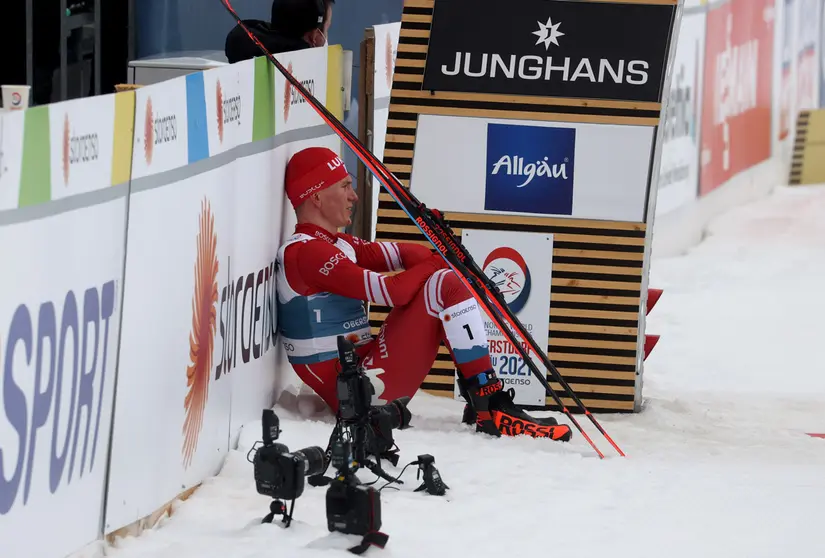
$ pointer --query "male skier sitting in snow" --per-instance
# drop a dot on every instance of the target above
(324, 277)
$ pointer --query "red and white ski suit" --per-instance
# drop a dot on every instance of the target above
(323, 279)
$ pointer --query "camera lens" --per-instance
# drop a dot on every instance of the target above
(313, 456)
(393, 415)
(401, 415)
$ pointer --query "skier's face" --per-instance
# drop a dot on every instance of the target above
(337, 202)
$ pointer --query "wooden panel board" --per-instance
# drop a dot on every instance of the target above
(597, 265)
(808, 160)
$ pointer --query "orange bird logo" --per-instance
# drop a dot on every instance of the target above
(388, 60)
(219, 111)
(287, 94)
(202, 336)
(66, 155)
(149, 132)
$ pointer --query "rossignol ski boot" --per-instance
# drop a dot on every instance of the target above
(492, 410)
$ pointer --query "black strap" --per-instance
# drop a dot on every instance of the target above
(319, 480)
(374, 538)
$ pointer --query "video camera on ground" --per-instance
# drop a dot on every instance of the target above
(362, 431)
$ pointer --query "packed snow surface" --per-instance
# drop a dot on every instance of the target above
(718, 461)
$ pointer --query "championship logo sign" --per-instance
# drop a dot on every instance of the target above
(519, 264)
(508, 270)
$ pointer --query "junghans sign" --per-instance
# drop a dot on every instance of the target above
(553, 48)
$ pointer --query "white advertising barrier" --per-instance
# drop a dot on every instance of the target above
(517, 262)
(81, 145)
(161, 130)
(807, 55)
(679, 174)
(246, 317)
(786, 31)
(386, 49)
(191, 304)
(59, 329)
(798, 73)
(291, 109)
(199, 350)
(230, 102)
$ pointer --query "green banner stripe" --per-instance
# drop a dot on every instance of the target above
(263, 119)
(36, 179)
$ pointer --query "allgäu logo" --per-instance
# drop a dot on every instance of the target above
(515, 166)
(530, 169)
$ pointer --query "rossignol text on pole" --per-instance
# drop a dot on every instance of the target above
(444, 241)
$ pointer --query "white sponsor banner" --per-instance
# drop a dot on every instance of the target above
(379, 137)
(520, 264)
(58, 350)
(386, 49)
(81, 141)
(602, 169)
(787, 83)
(230, 102)
(309, 66)
(161, 131)
(679, 168)
(11, 157)
(807, 66)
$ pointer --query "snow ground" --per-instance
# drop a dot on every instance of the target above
(718, 461)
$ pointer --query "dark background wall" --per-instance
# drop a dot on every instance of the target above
(175, 25)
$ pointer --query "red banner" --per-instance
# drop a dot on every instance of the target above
(736, 113)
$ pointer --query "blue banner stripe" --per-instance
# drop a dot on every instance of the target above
(196, 117)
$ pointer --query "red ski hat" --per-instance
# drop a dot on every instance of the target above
(311, 170)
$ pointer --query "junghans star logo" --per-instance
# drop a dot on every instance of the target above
(548, 33)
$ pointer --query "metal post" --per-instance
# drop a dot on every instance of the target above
(98, 50)
(30, 45)
(64, 84)
(131, 16)
(362, 227)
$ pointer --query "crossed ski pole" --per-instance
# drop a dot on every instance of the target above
(444, 241)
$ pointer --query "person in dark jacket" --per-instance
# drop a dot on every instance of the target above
(294, 25)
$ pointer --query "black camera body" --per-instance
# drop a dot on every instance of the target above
(352, 508)
(353, 387)
(278, 472)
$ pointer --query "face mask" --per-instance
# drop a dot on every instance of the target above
(325, 38)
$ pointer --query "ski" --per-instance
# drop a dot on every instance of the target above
(441, 236)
